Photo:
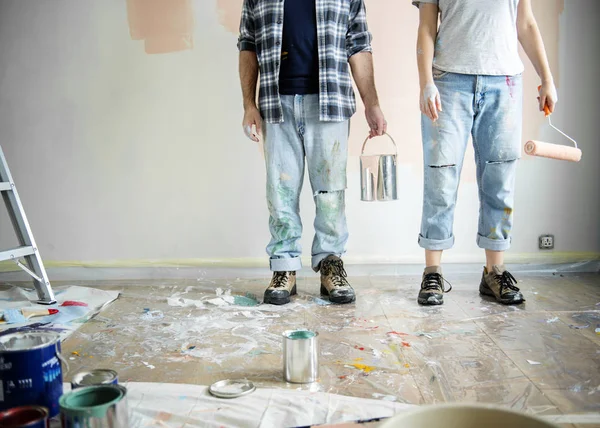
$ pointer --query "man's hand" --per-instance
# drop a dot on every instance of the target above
(376, 121)
(252, 118)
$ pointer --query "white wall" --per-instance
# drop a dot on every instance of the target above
(121, 156)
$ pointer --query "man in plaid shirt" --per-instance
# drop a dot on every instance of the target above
(303, 51)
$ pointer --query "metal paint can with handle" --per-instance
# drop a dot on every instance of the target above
(300, 356)
(95, 377)
(99, 406)
(378, 176)
(30, 370)
(25, 417)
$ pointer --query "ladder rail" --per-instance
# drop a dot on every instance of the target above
(24, 234)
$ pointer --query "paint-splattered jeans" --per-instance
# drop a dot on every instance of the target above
(324, 146)
(488, 108)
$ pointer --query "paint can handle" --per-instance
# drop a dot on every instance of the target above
(362, 152)
(62, 359)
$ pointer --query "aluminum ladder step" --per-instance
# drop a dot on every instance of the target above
(16, 253)
(5, 187)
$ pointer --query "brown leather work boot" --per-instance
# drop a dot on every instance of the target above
(333, 281)
(282, 286)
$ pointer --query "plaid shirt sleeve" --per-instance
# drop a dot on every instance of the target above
(246, 40)
(358, 38)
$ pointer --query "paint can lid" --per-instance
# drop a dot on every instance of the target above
(95, 377)
(231, 388)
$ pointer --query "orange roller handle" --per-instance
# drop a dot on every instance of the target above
(546, 108)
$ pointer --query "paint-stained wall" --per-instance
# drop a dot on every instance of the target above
(123, 153)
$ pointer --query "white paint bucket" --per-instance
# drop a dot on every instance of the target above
(378, 177)
(465, 416)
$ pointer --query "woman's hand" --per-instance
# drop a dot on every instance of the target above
(548, 96)
(431, 104)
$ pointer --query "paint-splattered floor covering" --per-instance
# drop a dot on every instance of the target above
(542, 357)
(75, 305)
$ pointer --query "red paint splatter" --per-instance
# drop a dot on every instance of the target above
(359, 348)
(510, 85)
(397, 333)
(343, 377)
(73, 303)
(406, 344)
(52, 311)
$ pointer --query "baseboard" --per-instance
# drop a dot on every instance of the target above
(550, 258)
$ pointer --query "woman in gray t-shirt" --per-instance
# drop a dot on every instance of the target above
(470, 78)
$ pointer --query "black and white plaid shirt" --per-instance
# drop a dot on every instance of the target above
(342, 32)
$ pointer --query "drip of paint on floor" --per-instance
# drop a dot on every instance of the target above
(363, 367)
(247, 300)
(73, 303)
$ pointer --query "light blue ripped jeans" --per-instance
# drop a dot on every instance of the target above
(489, 108)
(324, 145)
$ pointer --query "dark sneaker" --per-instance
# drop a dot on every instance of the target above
(333, 281)
(432, 287)
(283, 285)
(500, 283)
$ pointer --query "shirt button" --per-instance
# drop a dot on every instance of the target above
(277, 43)
(280, 21)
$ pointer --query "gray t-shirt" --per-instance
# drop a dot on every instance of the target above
(477, 37)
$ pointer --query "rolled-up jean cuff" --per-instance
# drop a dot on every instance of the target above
(318, 258)
(436, 244)
(493, 244)
(286, 265)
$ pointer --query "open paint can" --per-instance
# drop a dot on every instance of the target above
(101, 406)
(25, 417)
(300, 356)
(30, 370)
(465, 416)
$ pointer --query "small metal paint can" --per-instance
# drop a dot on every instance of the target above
(300, 356)
(30, 370)
(99, 406)
(95, 377)
(25, 417)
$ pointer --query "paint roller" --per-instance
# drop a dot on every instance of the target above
(553, 151)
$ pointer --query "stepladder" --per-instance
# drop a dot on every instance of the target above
(27, 255)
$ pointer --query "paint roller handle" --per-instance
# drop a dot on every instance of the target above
(362, 152)
(547, 113)
(546, 108)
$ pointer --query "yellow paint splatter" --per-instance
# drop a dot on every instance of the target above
(407, 366)
(75, 353)
(364, 368)
(508, 211)
(358, 359)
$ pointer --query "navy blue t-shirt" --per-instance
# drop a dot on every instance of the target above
(299, 72)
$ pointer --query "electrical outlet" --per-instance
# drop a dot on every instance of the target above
(546, 242)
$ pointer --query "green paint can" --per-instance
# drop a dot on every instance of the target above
(100, 406)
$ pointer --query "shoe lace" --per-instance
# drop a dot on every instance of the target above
(336, 269)
(435, 281)
(280, 279)
(507, 282)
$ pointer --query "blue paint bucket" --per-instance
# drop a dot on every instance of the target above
(30, 370)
